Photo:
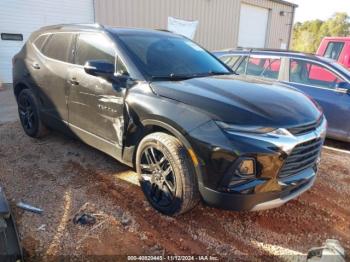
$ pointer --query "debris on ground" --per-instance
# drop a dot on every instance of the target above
(84, 219)
(41, 228)
(29, 208)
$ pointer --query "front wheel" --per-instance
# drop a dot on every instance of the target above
(166, 174)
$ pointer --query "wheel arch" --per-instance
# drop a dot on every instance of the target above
(156, 125)
(17, 89)
(152, 126)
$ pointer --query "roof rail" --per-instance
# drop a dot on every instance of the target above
(250, 49)
(60, 26)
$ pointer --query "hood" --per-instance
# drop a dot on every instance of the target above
(229, 99)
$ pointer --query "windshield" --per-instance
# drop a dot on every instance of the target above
(171, 57)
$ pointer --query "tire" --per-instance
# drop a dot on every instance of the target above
(28, 110)
(166, 174)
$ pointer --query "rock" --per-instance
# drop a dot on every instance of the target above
(125, 220)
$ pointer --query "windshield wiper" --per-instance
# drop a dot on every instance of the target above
(172, 77)
(219, 73)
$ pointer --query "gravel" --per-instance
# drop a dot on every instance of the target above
(61, 175)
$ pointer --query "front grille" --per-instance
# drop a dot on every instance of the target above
(302, 157)
(300, 130)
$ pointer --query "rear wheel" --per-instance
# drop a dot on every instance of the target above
(166, 174)
(28, 109)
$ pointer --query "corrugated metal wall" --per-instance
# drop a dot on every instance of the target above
(218, 19)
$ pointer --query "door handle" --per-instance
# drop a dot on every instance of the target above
(35, 65)
(74, 81)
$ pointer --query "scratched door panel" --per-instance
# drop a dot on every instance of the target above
(109, 114)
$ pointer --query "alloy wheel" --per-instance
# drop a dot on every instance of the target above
(26, 112)
(157, 177)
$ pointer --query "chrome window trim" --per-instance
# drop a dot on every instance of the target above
(337, 90)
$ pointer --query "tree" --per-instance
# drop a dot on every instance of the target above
(308, 35)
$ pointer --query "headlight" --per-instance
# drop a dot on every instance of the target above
(245, 129)
(253, 129)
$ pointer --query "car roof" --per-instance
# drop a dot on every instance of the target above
(113, 30)
(273, 52)
(337, 38)
(285, 53)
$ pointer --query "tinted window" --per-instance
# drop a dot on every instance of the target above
(58, 46)
(94, 47)
(267, 67)
(333, 50)
(308, 73)
(164, 56)
(39, 42)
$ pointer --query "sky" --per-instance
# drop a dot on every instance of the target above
(319, 9)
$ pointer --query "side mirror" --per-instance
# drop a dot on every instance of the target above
(100, 68)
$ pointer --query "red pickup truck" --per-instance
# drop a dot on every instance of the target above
(336, 48)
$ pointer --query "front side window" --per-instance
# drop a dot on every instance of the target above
(91, 46)
(333, 50)
(170, 56)
(308, 73)
(58, 46)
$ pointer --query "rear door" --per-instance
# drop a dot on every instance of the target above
(320, 82)
(49, 72)
(95, 104)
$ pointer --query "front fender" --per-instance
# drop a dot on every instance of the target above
(149, 106)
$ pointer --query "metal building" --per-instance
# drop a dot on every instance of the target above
(222, 23)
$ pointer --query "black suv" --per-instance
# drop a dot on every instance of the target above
(160, 103)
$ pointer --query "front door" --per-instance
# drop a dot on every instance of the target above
(320, 83)
(95, 104)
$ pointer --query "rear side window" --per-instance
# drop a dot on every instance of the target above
(268, 67)
(39, 41)
(94, 47)
(58, 46)
(333, 50)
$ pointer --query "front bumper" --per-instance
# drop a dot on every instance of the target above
(282, 171)
(298, 184)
